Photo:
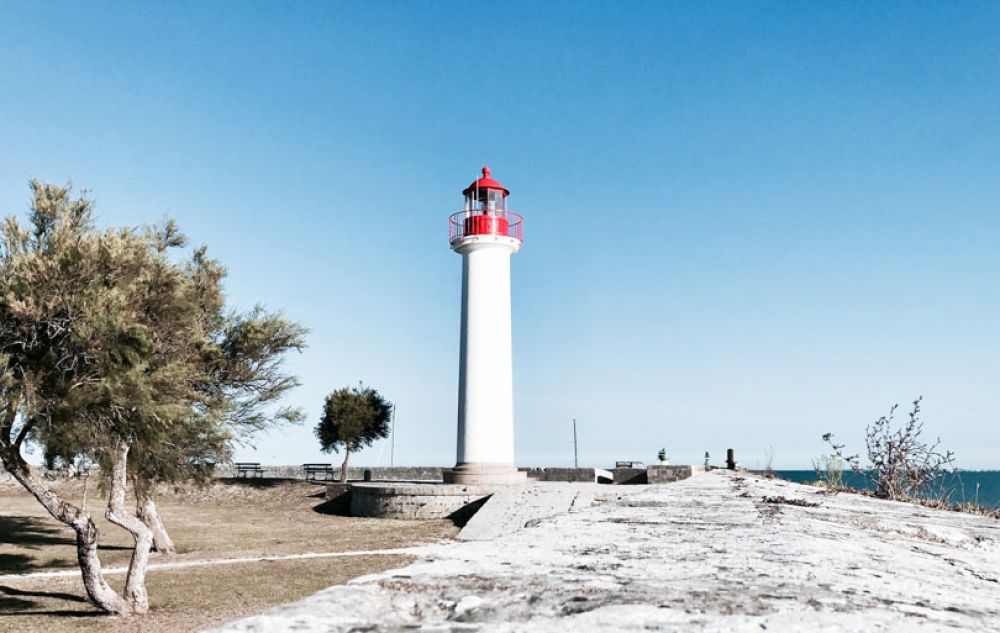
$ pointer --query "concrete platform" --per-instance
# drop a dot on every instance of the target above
(715, 553)
(516, 508)
(581, 475)
(480, 474)
(533, 493)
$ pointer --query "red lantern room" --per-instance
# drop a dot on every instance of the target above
(485, 212)
(485, 193)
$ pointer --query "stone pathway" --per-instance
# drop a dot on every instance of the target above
(717, 552)
(208, 562)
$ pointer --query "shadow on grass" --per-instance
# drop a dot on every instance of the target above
(16, 563)
(12, 604)
(15, 601)
(35, 533)
(22, 564)
(59, 613)
(32, 532)
(24, 593)
(338, 506)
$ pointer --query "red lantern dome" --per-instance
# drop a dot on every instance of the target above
(485, 213)
(484, 184)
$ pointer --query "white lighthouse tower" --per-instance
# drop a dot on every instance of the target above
(485, 234)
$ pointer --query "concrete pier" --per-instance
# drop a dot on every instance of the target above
(718, 552)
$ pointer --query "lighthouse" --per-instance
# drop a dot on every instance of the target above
(485, 233)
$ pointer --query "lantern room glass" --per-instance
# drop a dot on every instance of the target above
(487, 201)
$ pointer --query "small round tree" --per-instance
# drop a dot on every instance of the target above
(353, 417)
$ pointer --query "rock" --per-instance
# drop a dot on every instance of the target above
(466, 604)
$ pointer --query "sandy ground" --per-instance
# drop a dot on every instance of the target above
(717, 552)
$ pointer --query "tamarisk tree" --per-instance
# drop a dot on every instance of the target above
(113, 349)
(353, 417)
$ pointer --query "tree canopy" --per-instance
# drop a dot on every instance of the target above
(353, 417)
(116, 346)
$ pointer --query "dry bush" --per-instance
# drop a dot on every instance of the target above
(829, 471)
(900, 465)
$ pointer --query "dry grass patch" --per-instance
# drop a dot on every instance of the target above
(181, 600)
(227, 520)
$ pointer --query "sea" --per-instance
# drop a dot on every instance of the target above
(965, 486)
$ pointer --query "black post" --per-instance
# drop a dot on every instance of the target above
(730, 459)
(576, 461)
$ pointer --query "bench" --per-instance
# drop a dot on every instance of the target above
(248, 469)
(629, 465)
(314, 470)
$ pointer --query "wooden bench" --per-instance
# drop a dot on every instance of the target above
(313, 471)
(248, 469)
(629, 465)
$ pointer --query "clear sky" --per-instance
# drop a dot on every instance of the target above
(746, 223)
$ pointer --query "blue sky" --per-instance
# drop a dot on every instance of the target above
(746, 224)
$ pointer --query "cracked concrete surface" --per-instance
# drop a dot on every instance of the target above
(514, 507)
(717, 552)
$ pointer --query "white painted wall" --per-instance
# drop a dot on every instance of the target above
(485, 384)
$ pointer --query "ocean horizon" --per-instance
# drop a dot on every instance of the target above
(964, 486)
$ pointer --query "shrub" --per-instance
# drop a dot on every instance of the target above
(829, 470)
(900, 465)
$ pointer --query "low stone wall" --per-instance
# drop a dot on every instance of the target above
(588, 475)
(270, 472)
(400, 473)
(664, 474)
(654, 474)
(338, 499)
(397, 473)
(629, 475)
(412, 501)
(422, 473)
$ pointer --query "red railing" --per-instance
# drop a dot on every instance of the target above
(477, 222)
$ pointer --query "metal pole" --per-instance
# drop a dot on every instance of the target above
(392, 439)
(576, 461)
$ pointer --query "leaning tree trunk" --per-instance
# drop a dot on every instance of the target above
(147, 512)
(87, 534)
(343, 467)
(135, 580)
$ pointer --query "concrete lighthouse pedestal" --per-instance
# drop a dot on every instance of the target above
(479, 474)
(485, 234)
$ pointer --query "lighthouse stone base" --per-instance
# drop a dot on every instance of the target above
(405, 500)
(481, 474)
